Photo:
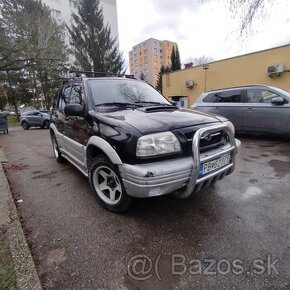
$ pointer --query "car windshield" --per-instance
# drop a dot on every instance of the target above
(112, 92)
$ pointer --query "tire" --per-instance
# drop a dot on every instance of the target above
(57, 154)
(25, 125)
(46, 124)
(106, 183)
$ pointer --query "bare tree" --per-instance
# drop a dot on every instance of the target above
(247, 11)
(201, 60)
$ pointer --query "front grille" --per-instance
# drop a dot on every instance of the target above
(186, 136)
(213, 141)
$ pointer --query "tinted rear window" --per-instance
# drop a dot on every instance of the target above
(234, 96)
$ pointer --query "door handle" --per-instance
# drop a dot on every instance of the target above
(250, 109)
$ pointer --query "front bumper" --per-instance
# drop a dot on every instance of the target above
(163, 177)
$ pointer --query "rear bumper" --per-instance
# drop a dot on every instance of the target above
(160, 178)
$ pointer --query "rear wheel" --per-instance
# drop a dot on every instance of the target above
(106, 183)
(25, 125)
(58, 156)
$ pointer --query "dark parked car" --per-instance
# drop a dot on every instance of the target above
(255, 109)
(34, 119)
(3, 123)
(131, 142)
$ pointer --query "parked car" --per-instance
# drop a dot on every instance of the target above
(131, 142)
(34, 119)
(255, 108)
(3, 123)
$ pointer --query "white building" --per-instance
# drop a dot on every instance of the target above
(63, 9)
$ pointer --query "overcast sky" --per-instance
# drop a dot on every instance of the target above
(208, 29)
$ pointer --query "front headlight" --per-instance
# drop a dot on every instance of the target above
(157, 144)
(231, 126)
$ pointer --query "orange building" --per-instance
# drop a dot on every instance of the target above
(147, 57)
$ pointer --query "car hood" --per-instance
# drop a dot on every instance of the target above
(150, 120)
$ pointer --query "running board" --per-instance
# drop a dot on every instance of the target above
(85, 173)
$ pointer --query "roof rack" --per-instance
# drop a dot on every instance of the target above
(79, 73)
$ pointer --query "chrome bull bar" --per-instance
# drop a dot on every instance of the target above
(198, 158)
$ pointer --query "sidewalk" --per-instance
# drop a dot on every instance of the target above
(17, 269)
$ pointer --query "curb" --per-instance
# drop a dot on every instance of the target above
(26, 275)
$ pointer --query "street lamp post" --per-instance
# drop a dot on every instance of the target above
(205, 67)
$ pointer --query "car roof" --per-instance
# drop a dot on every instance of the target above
(240, 87)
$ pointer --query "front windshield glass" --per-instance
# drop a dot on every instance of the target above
(106, 91)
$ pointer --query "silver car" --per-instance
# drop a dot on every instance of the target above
(34, 119)
(254, 109)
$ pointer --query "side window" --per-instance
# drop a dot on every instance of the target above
(260, 96)
(211, 98)
(76, 94)
(254, 96)
(234, 96)
(64, 98)
(267, 96)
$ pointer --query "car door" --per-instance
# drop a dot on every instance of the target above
(35, 119)
(76, 128)
(38, 119)
(261, 115)
(58, 116)
(228, 103)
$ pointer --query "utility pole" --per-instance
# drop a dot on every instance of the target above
(205, 67)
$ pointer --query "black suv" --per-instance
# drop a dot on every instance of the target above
(131, 142)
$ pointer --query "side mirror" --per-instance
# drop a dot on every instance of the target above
(173, 103)
(76, 110)
(278, 101)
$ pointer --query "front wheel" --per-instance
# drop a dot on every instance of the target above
(25, 125)
(106, 183)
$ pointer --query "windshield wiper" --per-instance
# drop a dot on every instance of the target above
(153, 103)
(118, 104)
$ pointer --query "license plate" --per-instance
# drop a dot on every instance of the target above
(214, 164)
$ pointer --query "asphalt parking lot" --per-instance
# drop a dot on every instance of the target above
(233, 235)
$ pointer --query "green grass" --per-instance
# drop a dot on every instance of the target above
(7, 273)
(13, 122)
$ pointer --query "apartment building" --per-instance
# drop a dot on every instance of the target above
(147, 57)
(62, 11)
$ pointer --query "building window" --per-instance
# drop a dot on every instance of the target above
(160, 50)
